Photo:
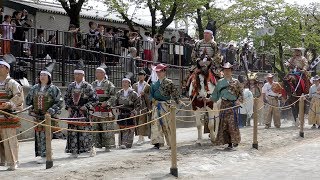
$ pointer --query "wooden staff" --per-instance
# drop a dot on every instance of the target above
(49, 162)
(301, 115)
(255, 123)
(174, 168)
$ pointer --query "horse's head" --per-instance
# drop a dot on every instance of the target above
(204, 63)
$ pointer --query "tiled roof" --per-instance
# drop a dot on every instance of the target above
(92, 10)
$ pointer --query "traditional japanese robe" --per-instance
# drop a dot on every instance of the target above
(229, 92)
(105, 91)
(43, 99)
(145, 106)
(161, 94)
(314, 112)
(12, 92)
(78, 96)
(129, 104)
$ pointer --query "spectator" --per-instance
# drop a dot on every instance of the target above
(133, 39)
(157, 55)
(101, 39)
(22, 26)
(246, 109)
(19, 34)
(92, 36)
(7, 34)
(147, 46)
(51, 50)
(40, 48)
(231, 53)
(130, 62)
(71, 39)
(109, 43)
(174, 51)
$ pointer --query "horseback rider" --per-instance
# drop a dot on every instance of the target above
(208, 46)
(298, 62)
(298, 66)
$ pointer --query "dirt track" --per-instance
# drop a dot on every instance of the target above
(141, 162)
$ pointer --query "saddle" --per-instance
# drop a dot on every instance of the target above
(301, 80)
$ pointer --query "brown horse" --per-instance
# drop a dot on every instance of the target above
(293, 89)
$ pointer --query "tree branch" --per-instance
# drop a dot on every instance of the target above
(65, 6)
(169, 20)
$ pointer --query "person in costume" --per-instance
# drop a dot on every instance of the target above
(161, 94)
(11, 99)
(143, 90)
(208, 46)
(254, 86)
(80, 98)
(44, 97)
(314, 112)
(128, 103)
(270, 97)
(105, 91)
(230, 91)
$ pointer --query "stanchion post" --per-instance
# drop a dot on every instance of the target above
(255, 123)
(301, 115)
(49, 162)
(174, 167)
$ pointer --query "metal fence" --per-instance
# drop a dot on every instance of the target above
(32, 58)
(117, 44)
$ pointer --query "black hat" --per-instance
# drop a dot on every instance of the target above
(48, 69)
(79, 67)
(211, 27)
(241, 79)
(142, 72)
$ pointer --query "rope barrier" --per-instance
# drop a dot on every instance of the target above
(100, 122)
(40, 123)
(114, 130)
(214, 109)
(185, 121)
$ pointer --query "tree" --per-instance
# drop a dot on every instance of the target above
(73, 9)
(162, 13)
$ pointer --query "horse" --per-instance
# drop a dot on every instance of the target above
(293, 89)
(202, 85)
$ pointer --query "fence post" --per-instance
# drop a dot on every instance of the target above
(34, 59)
(255, 123)
(174, 168)
(301, 115)
(49, 162)
(63, 75)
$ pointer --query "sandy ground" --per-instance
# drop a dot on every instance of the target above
(282, 154)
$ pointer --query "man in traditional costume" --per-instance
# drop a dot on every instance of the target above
(208, 46)
(161, 94)
(79, 100)
(229, 90)
(314, 112)
(105, 91)
(253, 85)
(11, 99)
(298, 66)
(44, 97)
(128, 103)
(143, 90)
(271, 98)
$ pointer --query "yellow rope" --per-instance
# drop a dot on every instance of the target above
(100, 122)
(40, 123)
(214, 109)
(114, 130)
(185, 121)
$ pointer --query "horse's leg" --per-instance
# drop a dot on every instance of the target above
(199, 125)
(213, 121)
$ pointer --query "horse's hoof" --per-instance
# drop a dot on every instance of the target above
(198, 143)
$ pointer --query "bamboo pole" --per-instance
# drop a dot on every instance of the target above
(49, 162)
(174, 168)
(255, 123)
(301, 116)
